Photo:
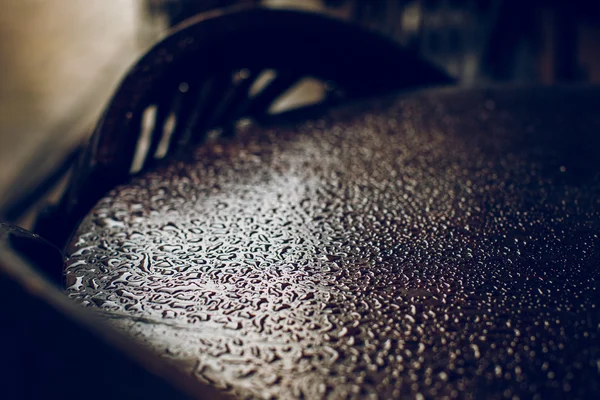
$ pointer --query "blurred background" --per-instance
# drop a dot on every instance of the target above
(60, 60)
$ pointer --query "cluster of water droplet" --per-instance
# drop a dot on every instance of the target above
(431, 246)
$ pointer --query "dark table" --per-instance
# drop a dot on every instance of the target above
(438, 244)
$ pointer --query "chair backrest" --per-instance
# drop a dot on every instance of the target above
(202, 76)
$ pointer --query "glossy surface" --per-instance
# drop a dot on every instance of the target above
(443, 244)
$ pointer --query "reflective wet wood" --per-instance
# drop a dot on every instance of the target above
(440, 244)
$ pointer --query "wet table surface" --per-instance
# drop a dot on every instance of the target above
(439, 244)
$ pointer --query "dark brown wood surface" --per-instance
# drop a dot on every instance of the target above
(440, 244)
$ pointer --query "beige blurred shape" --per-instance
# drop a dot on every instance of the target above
(59, 60)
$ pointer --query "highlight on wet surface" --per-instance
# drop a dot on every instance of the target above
(443, 244)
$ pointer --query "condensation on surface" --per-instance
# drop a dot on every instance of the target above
(443, 244)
